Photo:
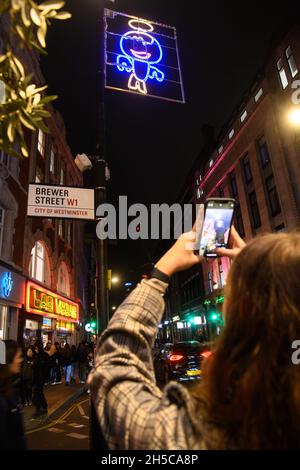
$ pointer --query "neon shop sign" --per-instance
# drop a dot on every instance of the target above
(142, 57)
(44, 302)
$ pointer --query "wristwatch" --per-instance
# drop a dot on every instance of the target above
(157, 274)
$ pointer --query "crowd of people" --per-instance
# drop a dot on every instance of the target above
(24, 376)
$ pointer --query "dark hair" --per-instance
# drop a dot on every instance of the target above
(251, 390)
(39, 345)
(6, 377)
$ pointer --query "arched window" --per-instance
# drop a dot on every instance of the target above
(63, 283)
(39, 266)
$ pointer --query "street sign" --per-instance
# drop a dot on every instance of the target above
(62, 202)
(141, 57)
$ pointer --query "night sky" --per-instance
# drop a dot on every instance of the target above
(152, 144)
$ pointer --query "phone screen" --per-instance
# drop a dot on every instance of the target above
(216, 227)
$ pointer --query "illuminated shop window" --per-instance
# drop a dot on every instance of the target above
(63, 284)
(39, 266)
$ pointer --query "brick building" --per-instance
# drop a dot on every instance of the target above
(43, 269)
(255, 161)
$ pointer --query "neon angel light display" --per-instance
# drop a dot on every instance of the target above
(142, 57)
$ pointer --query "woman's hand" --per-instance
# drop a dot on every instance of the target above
(236, 245)
(181, 256)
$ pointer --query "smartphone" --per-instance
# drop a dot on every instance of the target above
(218, 218)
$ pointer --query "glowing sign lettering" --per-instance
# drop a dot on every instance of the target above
(141, 57)
(44, 302)
(7, 284)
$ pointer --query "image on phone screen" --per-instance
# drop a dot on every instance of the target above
(216, 227)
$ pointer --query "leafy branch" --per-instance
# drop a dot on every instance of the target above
(22, 103)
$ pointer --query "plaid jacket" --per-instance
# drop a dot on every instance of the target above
(133, 412)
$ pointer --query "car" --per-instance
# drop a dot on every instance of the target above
(181, 361)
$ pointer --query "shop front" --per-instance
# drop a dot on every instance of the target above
(12, 296)
(48, 316)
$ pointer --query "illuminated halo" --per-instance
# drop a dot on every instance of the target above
(141, 25)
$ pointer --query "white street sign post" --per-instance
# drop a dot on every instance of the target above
(61, 202)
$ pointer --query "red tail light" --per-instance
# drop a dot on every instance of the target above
(206, 354)
(175, 358)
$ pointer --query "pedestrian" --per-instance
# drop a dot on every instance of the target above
(49, 364)
(67, 364)
(27, 376)
(11, 421)
(73, 360)
(56, 363)
(40, 367)
(90, 360)
(248, 397)
(82, 362)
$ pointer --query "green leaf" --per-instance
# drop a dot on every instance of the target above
(35, 17)
(63, 15)
(52, 5)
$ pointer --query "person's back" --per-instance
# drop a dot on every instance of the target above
(248, 397)
(251, 389)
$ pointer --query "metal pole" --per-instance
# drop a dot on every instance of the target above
(97, 441)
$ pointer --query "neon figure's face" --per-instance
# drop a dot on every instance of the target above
(141, 46)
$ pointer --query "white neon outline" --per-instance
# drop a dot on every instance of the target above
(126, 62)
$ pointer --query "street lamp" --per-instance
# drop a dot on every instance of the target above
(294, 116)
(115, 280)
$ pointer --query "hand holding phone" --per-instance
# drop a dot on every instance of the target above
(217, 224)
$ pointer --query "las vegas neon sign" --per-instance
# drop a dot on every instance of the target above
(46, 303)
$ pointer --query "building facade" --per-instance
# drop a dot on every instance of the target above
(43, 269)
(256, 161)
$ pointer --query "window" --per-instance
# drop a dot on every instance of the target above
(62, 176)
(244, 116)
(264, 152)
(222, 277)
(233, 184)
(52, 161)
(220, 150)
(2, 214)
(211, 163)
(5, 159)
(239, 221)
(38, 176)
(41, 142)
(63, 282)
(231, 134)
(280, 228)
(255, 216)
(199, 193)
(39, 266)
(60, 228)
(282, 74)
(69, 232)
(258, 95)
(291, 61)
(247, 169)
(210, 284)
(273, 196)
